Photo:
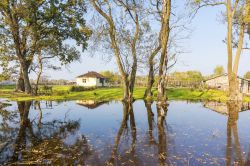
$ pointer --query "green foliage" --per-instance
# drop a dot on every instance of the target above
(41, 27)
(77, 89)
(219, 70)
(113, 78)
(187, 76)
(247, 16)
(80, 88)
(7, 65)
(247, 75)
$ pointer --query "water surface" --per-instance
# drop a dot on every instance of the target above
(115, 133)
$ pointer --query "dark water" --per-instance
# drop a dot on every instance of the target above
(115, 133)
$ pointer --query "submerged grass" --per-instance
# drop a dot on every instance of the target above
(106, 94)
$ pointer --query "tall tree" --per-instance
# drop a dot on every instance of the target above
(164, 39)
(31, 22)
(120, 31)
(236, 14)
(176, 31)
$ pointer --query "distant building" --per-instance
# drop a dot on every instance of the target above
(221, 82)
(91, 79)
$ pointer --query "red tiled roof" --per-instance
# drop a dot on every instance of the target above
(92, 74)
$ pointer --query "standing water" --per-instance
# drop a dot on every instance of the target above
(116, 133)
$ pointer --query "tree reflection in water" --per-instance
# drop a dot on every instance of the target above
(33, 142)
(28, 139)
(232, 132)
(128, 156)
(162, 137)
(148, 105)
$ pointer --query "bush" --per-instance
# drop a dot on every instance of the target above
(76, 89)
(81, 88)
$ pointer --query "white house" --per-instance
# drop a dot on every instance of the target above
(221, 82)
(91, 79)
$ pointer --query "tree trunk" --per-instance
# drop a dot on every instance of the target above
(126, 89)
(234, 92)
(164, 36)
(27, 85)
(148, 92)
(21, 53)
(129, 84)
(37, 82)
(132, 81)
(128, 79)
(20, 82)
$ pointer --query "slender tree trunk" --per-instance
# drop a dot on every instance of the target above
(132, 81)
(231, 77)
(164, 36)
(148, 92)
(126, 89)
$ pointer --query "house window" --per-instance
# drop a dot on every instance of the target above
(84, 80)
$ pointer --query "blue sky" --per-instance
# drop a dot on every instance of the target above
(205, 50)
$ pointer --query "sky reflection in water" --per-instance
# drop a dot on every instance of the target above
(115, 133)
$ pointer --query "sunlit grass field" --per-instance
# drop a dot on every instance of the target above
(62, 92)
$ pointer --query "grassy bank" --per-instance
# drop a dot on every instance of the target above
(105, 94)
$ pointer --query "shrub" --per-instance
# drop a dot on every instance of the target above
(76, 89)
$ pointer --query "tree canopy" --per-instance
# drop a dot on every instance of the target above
(35, 26)
(219, 70)
(247, 75)
(191, 75)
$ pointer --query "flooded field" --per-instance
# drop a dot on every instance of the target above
(116, 133)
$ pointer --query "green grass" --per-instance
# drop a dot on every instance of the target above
(106, 94)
